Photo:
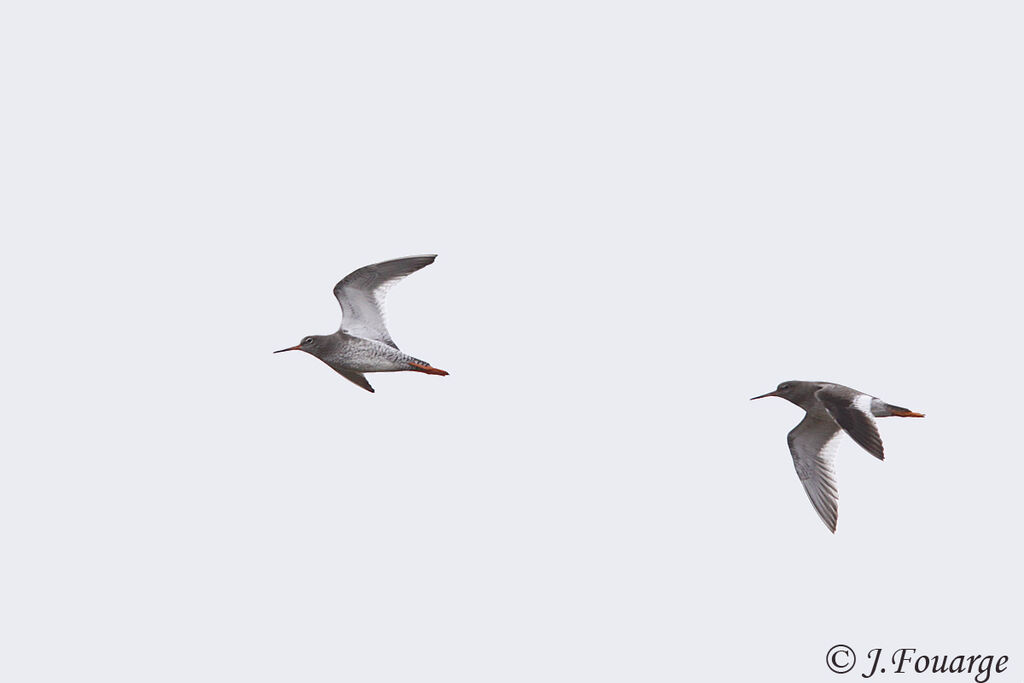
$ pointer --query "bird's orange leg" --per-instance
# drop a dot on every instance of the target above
(428, 369)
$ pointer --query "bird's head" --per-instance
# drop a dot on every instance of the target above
(793, 391)
(311, 344)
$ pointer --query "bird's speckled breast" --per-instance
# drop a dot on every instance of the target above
(367, 355)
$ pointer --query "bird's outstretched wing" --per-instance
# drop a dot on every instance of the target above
(813, 445)
(356, 378)
(852, 410)
(361, 295)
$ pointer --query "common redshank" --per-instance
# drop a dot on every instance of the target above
(363, 344)
(831, 408)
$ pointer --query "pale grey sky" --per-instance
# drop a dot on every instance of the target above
(645, 214)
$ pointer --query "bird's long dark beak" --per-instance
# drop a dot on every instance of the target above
(770, 393)
(290, 348)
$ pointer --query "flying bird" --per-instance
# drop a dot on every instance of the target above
(831, 408)
(363, 344)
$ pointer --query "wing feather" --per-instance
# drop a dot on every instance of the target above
(853, 413)
(361, 295)
(813, 446)
(357, 378)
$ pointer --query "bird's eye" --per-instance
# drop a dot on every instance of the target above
(307, 340)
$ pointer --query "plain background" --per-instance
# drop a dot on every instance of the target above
(646, 213)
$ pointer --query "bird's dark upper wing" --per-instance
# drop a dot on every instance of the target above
(852, 411)
(361, 295)
(357, 378)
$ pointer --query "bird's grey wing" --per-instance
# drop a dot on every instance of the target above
(357, 378)
(852, 410)
(361, 295)
(813, 445)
